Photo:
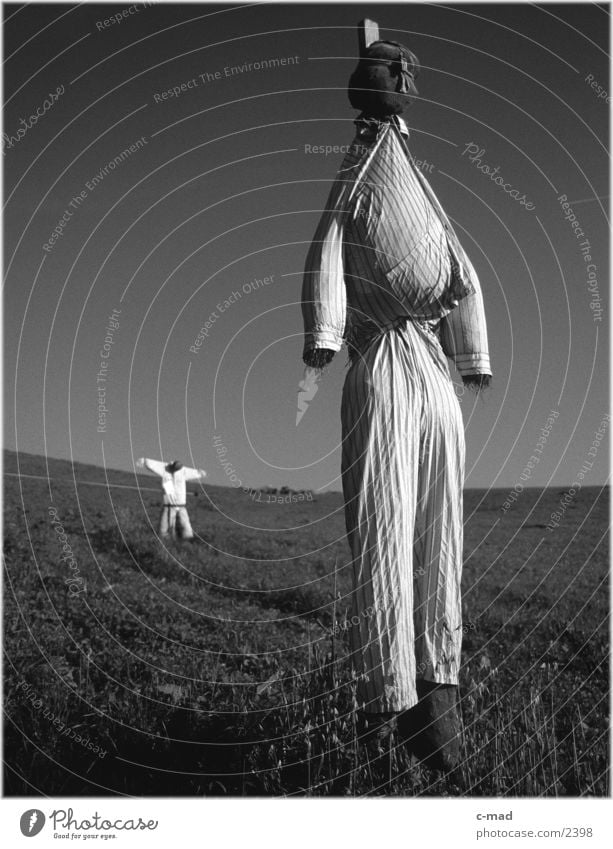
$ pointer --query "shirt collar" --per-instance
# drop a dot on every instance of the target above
(402, 125)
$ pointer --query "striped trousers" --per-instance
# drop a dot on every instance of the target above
(403, 474)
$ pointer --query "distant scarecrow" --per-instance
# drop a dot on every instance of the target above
(387, 275)
(174, 520)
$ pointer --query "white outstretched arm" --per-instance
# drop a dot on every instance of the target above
(194, 474)
(155, 466)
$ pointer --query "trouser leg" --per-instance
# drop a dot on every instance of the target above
(439, 535)
(433, 728)
(165, 521)
(184, 527)
(381, 415)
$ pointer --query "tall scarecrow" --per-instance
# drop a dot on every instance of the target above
(174, 519)
(387, 275)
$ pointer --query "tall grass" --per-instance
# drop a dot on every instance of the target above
(199, 675)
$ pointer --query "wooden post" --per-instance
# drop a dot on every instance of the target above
(368, 31)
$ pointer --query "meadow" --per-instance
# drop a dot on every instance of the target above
(139, 667)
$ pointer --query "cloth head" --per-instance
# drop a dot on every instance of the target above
(383, 83)
(174, 466)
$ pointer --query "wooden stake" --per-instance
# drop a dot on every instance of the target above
(368, 31)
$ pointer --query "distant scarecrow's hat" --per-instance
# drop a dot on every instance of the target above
(383, 84)
(174, 466)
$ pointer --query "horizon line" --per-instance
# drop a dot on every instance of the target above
(108, 469)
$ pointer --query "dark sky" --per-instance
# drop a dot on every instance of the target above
(220, 190)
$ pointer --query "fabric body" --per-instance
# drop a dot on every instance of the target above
(174, 519)
(387, 274)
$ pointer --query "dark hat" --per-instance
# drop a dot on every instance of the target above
(383, 83)
(174, 466)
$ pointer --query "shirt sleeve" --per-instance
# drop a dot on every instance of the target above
(463, 331)
(324, 300)
(155, 466)
(194, 474)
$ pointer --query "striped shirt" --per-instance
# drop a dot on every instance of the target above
(385, 251)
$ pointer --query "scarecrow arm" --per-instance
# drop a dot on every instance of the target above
(323, 291)
(194, 474)
(463, 334)
(324, 299)
(155, 466)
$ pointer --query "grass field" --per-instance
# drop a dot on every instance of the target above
(214, 668)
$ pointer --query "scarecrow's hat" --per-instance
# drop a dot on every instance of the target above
(383, 83)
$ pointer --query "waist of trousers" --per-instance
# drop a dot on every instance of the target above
(173, 505)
